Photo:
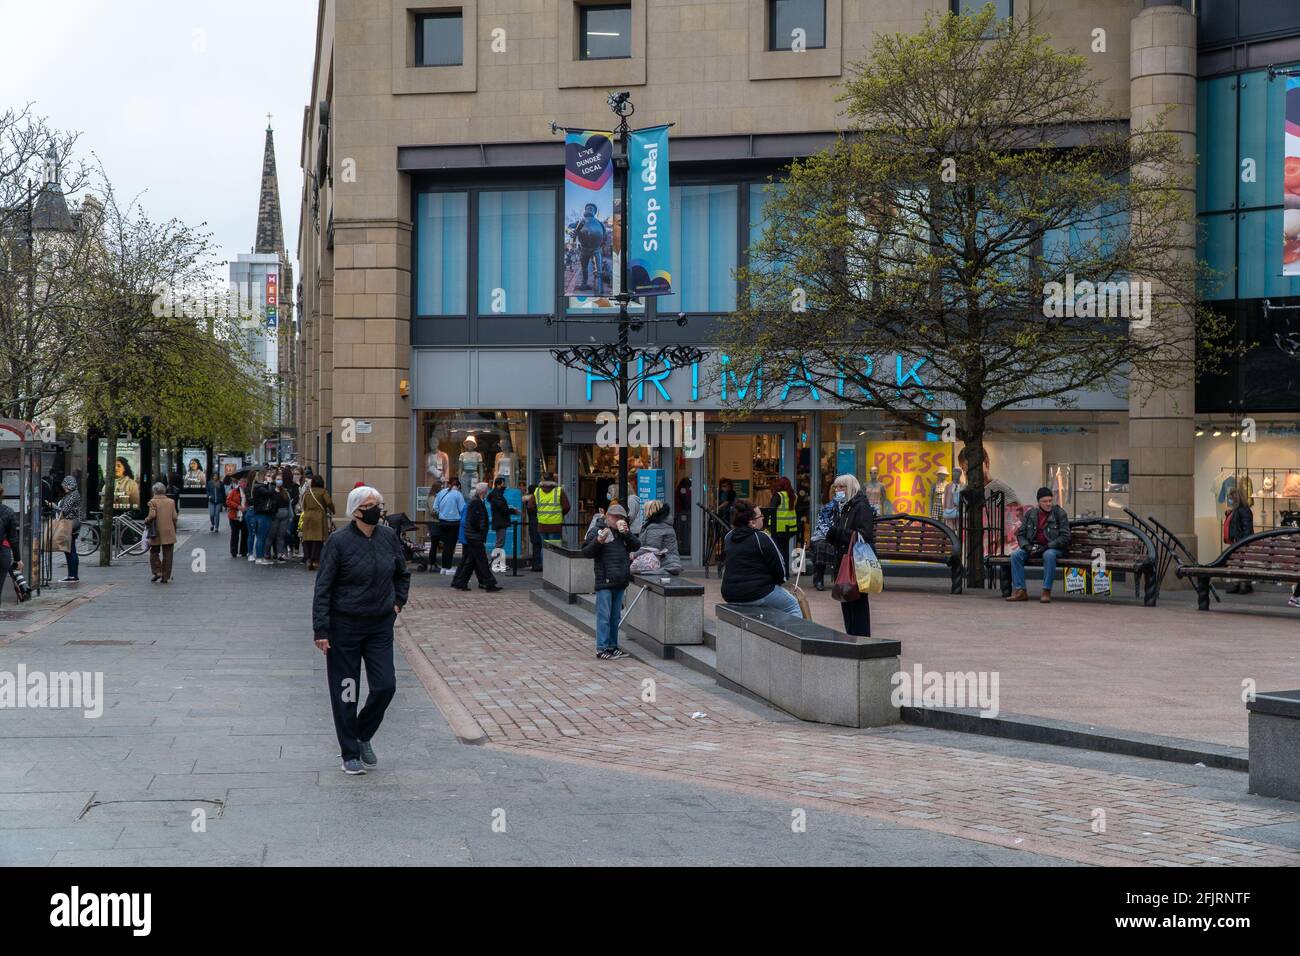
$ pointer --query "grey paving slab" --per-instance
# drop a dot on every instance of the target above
(228, 704)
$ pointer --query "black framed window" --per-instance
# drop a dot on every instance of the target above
(605, 32)
(439, 39)
(1003, 7)
(785, 20)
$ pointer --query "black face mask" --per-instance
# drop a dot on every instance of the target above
(370, 515)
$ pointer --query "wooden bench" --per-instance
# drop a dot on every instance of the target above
(1127, 548)
(1267, 556)
(918, 538)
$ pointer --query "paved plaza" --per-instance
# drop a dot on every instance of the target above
(215, 702)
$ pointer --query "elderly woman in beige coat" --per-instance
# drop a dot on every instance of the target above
(162, 512)
(317, 517)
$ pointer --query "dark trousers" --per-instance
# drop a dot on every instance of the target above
(474, 559)
(74, 561)
(351, 642)
(857, 616)
(535, 539)
(447, 535)
(238, 538)
(160, 560)
(448, 531)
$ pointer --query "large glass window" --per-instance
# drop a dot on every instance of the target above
(1003, 7)
(441, 243)
(792, 23)
(516, 252)
(605, 32)
(438, 39)
(760, 195)
(704, 220)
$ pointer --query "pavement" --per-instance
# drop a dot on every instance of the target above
(215, 746)
(1170, 670)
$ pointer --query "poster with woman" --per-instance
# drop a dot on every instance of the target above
(126, 472)
(196, 468)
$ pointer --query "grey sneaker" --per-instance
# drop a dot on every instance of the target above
(617, 654)
(368, 757)
(352, 766)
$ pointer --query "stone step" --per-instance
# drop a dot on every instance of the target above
(698, 657)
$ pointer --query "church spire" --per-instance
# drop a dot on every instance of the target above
(270, 232)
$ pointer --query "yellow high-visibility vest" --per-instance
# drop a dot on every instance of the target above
(550, 510)
(785, 517)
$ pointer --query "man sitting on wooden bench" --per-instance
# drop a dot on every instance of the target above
(1044, 535)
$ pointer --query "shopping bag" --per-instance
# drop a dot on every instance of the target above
(804, 609)
(866, 567)
(63, 534)
(845, 587)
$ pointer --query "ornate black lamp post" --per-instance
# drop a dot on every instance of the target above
(612, 360)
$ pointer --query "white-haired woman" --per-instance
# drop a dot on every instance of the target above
(855, 514)
(161, 522)
(361, 587)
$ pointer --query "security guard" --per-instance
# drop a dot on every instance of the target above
(551, 505)
(785, 522)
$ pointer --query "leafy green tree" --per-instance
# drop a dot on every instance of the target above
(983, 180)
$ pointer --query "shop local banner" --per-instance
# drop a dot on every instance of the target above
(908, 470)
(1291, 180)
(649, 265)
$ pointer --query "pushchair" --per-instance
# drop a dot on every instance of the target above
(418, 553)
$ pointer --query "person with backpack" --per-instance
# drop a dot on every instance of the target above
(754, 570)
(610, 544)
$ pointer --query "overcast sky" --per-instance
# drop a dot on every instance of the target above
(172, 95)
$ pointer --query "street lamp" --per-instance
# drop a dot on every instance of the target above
(611, 360)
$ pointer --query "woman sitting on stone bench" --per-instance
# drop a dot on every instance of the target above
(754, 571)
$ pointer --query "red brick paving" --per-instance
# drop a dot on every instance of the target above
(534, 685)
(1168, 670)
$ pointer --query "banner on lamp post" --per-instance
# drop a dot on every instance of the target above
(591, 267)
(1291, 180)
(649, 269)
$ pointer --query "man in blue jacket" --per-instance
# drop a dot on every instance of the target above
(473, 556)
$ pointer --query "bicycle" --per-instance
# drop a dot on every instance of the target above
(128, 536)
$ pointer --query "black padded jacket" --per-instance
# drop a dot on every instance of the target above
(613, 559)
(360, 577)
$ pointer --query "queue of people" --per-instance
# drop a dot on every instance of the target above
(276, 515)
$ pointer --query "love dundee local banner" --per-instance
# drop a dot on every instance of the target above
(591, 268)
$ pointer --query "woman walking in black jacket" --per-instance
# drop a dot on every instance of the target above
(855, 514)
(361, 587)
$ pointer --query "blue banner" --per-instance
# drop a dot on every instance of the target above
(649, 264)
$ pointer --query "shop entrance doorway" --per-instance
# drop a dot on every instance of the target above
(749, 458)
(589, 474)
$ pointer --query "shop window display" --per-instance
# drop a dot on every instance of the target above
(471, 446)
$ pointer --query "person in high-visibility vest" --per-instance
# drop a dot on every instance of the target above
(550, 504)
(784, 521)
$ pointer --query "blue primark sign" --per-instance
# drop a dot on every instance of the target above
(685, 382)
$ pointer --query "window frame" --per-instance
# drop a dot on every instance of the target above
(771, 29)
(587, 8)
(421, 19)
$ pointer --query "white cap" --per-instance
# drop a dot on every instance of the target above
(358, 495)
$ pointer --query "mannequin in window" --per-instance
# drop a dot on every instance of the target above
(940, 493)
(505, 466)
(952, 500)
(471, 463)
(874, 489)
(437, 467)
